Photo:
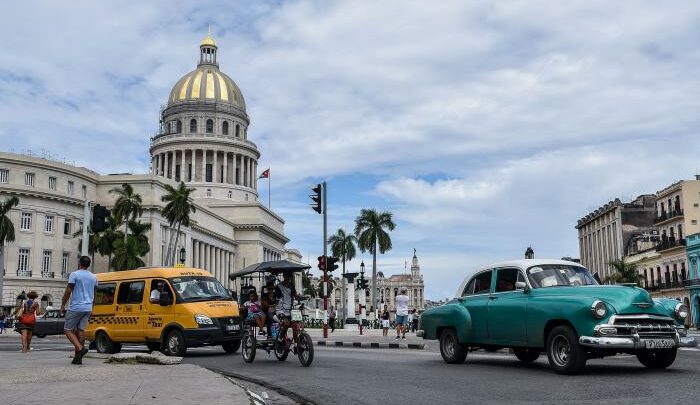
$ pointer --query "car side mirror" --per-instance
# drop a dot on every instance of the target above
(164, 299)
(596, 277)
(521, 285)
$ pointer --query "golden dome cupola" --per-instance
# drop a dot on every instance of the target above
(207, 49)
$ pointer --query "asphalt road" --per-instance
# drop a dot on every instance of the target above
(379, 376)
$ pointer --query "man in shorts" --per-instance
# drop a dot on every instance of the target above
(81, 292)
(401, 313)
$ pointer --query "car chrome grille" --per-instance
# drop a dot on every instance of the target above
(646, 326)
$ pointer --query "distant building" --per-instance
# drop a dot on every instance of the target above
(607, 233)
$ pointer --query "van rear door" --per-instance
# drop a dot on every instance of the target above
(129, 311)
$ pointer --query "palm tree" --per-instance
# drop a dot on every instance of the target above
(128, 251)
(105, 243)
(343, 247)
(128, 206)
(624, 272)
(370, 228)
(306, 285)
(177, 211)
(7, 233)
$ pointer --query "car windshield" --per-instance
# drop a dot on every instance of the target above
(553, 275)
(199, 288)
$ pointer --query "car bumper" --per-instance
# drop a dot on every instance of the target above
(209, 336)
(633, 342)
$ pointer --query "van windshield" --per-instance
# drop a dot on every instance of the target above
(199, 288)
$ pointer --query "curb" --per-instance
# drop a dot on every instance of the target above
(371, 345)
(264, 383)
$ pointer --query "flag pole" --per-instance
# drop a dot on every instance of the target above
(268, 189)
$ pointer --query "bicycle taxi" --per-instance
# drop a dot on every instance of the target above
(272, 336)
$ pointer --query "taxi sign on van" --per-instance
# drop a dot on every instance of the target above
(179, 265)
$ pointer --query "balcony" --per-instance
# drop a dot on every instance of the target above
(665, 286)
(47, 274)
(693, 282)
(670, 244)
(665, 216)
(24, 273)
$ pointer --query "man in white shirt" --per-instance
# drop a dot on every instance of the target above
(401, 314)
(155, 294)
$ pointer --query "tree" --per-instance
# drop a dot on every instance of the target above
(7, 233)
(177, 212)
(106, 240)
(128, 251)
(343, 247)
(309, 289)
(624, 272)
(128, 206)
(371, 230)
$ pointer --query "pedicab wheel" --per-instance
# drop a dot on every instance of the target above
(280, 351)
(231, 347)
(104, 344)
(248, 348)
(305, 349)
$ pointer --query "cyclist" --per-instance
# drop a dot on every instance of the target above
(285, 293)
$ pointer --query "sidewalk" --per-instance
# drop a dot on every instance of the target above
(370, 338)
(47, 377)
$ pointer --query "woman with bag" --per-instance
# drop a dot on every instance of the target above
(26, 319)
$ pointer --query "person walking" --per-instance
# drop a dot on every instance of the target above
(414, 326)
(81, 291)
(25, 316)
(385, 321)
(401, 314)
(331, 318)
(2, 321)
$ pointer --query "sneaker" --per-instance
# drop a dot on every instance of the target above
(397, 338)
(78, 359)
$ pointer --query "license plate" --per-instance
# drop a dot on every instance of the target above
(659, 343)
(233, 327)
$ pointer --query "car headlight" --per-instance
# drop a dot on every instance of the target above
(203, 320)
(681, 310)
(599, 309)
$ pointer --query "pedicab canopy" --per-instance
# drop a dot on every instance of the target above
(274, 267)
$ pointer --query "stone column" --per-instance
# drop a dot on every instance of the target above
(202, 257)
(235, 165)
(161, 163)
(204, 165)
(215, 167)
(225, 179)
(182, 165)
(195, 253)
(154, 168)
(253, 180)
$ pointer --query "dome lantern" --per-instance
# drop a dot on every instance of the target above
(207, 50)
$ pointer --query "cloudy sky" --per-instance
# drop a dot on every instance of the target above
(484, 127)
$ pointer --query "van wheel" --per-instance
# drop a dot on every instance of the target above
(656, 359)
(231, 347)
(526, 355)
(153, 346)
(451, 350)
(175, 344)
(104, 344)
(565, 354)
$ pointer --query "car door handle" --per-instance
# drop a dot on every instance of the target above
(493, 298)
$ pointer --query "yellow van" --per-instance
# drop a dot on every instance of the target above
(191, 309)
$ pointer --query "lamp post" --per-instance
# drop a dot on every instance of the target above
(182, 256)
(363, 296)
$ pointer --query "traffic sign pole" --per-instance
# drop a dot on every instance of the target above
(325, 255)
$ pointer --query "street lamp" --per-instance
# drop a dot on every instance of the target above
(362, 268)
(182, 255)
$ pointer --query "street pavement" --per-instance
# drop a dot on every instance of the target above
(341, 375)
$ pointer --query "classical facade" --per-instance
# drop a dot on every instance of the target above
(607, 233)
(203, 141)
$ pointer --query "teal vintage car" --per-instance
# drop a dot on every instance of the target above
(557, 307)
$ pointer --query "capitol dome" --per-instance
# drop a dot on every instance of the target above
(207, 82)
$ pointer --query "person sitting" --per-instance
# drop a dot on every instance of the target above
(268, 303)
(285, 293)
(255, 312)
(155, 293)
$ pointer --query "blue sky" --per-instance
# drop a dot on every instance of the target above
(484, 127)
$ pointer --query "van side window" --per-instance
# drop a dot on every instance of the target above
(104, 294)
(483, 283)
(131, 292)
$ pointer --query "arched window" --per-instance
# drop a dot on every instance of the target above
(224, 128)
(178, 126)
(193, 125)
(210, 126)
(238, 130)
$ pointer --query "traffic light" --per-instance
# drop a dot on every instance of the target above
(99, 218)
(322, 263)
(364, 284)
(316, 198)
(332, 263)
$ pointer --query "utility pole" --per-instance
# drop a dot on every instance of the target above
(325, 255)
(86, 222)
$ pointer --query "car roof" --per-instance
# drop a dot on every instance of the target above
(520, 263)
(150, 272)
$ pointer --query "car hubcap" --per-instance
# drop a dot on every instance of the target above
(449, 346)
(561, 350)
(173, 344)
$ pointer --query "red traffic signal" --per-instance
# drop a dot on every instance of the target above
(322, 263)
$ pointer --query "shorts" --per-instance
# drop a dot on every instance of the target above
(401, 319)
(253, 315)
(385, 323)
(76, 320)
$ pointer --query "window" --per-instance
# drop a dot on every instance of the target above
(238, 131)
(166, 287)
(208, 192)
(48, 224)
(506, 279)
(66, 226)
(481, 284)
(64, 262)
(4, 175)
(178, 126)
(25, 223)
(104, 294)
(230, 194)
(83, 191)
(23, 263)
(80, 225)
(193, 125)
(693, 221)
(210, 126)
(208, 174)
(224, 128)
(46, 262)
(52, 183)
(69, 187)
(130, 292)
(29, 179)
